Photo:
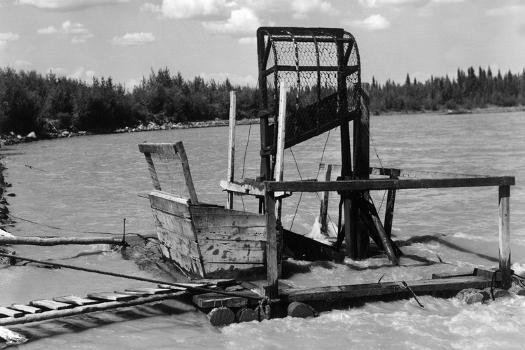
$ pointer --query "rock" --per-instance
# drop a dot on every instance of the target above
(471, 296)
(498, 293)
(31, 135)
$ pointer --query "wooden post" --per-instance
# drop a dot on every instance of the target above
(179, 148)
(389, 209)
(281, 130)
(231, 147)
(272, 260)
(152, 171)
(504, 236)
(324, 203)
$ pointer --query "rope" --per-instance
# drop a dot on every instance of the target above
(115, 274)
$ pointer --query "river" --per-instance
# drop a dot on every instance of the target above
(85, 184)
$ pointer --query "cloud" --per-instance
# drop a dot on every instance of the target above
(68, 4)
(194, 8)
(149, 7)
(131, 39)
(301, 8)
(79, 73)
(7, 37)
(373, 22)
(77, 31)
(241, 22)
(505, 10)
(235, 79)
(378, 3)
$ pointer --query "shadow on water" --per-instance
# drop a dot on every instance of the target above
(430, 238)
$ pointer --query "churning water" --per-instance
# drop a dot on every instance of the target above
(91, 183)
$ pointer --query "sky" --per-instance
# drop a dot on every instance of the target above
(215, 39)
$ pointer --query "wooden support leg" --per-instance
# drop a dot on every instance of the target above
(389, 211)
(362, 232)
(272, 261)
(504, 236)
(350, 226)
(324, 203)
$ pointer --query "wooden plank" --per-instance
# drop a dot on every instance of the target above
(488, 274)
(386, 242)
(281, 134)
(220, 217)
(230, 269)
(147, 290)
(189, 263)
(27, 309)
(49, 304)
(109, 296)
(504, 237)
(385, 184)
(75, 300)
(440, 275)
(232, 233)
(6, 312)
(303, 248)
(418, 173)
(242, 188)
(219, 282)
(323, 213)
(55, 314)
(333, 293)
(211, 300)
(176, 225)
(272, 263)
(52, 241)
(170, 203)
(238, 252)
(389, 211)
(166, 150)
(231, 147)
(187, 173)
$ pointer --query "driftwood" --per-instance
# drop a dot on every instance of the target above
(50, 241)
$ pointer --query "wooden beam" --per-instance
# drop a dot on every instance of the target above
(334, 293)
(385, 184)
(345, 71)
(281, 135)
(504, 236)
(323, 214)
(272, 263)
(231, 147)
(179, 147)
(389, 209)
(51, 241)
(242, 188)
(152, 171)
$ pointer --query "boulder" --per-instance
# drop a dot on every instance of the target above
(471, 296)
(498, 293)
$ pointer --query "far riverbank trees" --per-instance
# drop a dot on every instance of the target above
(45, 104)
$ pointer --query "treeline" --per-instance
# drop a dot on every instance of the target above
(466, 91)
(48, 103)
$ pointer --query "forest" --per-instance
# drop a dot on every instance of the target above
(46, 104)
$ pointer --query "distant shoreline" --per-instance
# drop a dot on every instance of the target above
(10, 139)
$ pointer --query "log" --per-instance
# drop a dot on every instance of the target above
(51, 241)
(302, 310)
(11, 337)
(504, 237)
(221, 316)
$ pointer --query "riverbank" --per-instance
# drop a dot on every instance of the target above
(12, 138)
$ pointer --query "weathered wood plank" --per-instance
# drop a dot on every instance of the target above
(219, 282)
(169, 203)
(323, 213)
(6, 312)
(272, 255)
(211, 300)
(146, 291)
(50, 304)
(232, 233)
(173, 224)
(187, 173)
(54, 314)
(152, 171)
(333, 293)
(231, 147)
(227, 269)
(385, 184)
(109, 296)
(219, 217)
(239, 252)
(504, 236)
(254, 189)
(167, 150)
(75, 300)
(52, 241)
(27, 309)
(281, 132)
